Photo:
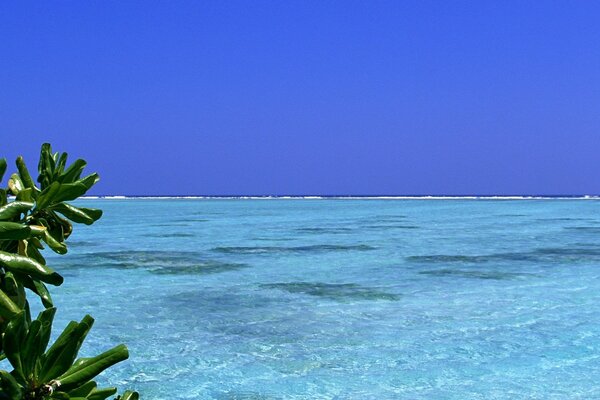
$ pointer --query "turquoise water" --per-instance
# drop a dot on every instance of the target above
(342, 299)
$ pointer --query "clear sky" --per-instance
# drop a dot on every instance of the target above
(308, 97)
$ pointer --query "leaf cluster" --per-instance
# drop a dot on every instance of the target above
(33, 217)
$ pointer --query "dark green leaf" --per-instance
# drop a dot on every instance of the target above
(29, 351)
(83, 390)
(63, 396)
(14, 289)
(10, 387)
(2, 168)
(24, 173)
(47, 196)
(73, 172)
(61, 355)
(59, 192)
(101, 394)
(45, 173)
(3, 198)
(14, 231)
(8, 308)
(46, 317)
(15, 332)
(60, 164)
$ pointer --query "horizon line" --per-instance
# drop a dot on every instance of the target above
(351, 197)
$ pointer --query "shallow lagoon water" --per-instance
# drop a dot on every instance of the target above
(342, 299)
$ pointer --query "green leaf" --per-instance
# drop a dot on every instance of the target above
(60, 164)
(73, 172)
(14, 231)
(44, 169)
(29, 350)
(3, 198)
(14, 209)
(78, 214)
(87, 370)
(59, 192)
(83, 390)
(54, 244)
(26, 265)
(8, 308)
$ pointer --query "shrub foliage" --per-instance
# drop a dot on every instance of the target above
(35, 215)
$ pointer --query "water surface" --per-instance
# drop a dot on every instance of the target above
(342, 299)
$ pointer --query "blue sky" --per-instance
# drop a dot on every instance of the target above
(308, 97)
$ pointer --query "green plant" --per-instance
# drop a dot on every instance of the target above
(38, 216)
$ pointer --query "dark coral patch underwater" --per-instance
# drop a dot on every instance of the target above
(585, 229)
(157, 262)
(333, 291)
(390, 226)
(493, 275)
(550, 254)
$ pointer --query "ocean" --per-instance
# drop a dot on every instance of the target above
(341, 299)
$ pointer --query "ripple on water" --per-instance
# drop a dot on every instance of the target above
(291, 249)
(334, 291)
